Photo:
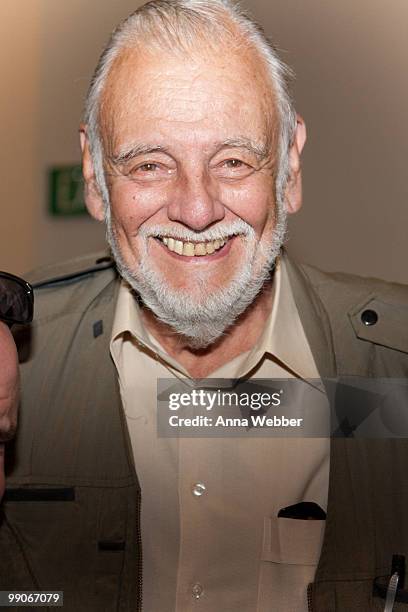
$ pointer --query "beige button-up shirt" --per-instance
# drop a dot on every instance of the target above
(211, 537)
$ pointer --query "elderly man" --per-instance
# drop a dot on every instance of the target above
(191, 155)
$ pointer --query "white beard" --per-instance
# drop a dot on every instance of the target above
(203, 316)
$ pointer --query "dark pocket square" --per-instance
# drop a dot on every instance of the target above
(306, 511)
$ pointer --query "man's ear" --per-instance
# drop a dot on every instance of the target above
(293, 193)
(93, 199)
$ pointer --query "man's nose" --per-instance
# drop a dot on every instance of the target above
(195, 203)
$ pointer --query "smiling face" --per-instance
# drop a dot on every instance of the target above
(190, 166)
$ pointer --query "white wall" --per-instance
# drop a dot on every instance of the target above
(19, 105)
(49, 49)
(352, 88)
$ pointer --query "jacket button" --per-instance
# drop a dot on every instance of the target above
(369, 317)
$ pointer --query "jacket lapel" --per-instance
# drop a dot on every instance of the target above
(314, 320)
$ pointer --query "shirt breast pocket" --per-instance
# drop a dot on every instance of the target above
(292, 541)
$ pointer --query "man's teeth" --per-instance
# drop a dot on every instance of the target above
(193, 249)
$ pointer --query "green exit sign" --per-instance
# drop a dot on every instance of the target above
(66, 191)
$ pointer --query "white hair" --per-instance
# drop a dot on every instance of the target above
(177, 25)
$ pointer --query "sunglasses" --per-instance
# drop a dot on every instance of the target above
(16, 299)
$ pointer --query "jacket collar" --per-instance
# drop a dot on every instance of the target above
(314, 319)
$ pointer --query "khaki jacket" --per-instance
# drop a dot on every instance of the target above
(71, 511)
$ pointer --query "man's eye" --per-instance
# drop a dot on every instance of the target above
(151, 171)
(232, 169)
(234, 163)
(148, 167)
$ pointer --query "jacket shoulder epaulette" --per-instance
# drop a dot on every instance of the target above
(376, 310)
(71, 270)
(70, 287)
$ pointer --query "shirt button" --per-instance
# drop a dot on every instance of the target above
(198, 489)
(197, 591)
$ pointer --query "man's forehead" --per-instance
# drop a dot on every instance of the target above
(167, 100)
(170, 86)
(220, 54)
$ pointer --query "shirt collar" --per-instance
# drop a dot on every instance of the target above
(128, 319)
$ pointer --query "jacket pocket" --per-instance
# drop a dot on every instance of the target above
(15, 572)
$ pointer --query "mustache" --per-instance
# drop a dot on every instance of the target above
(218, 232)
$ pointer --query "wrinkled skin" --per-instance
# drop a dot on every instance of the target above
(8, 393)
